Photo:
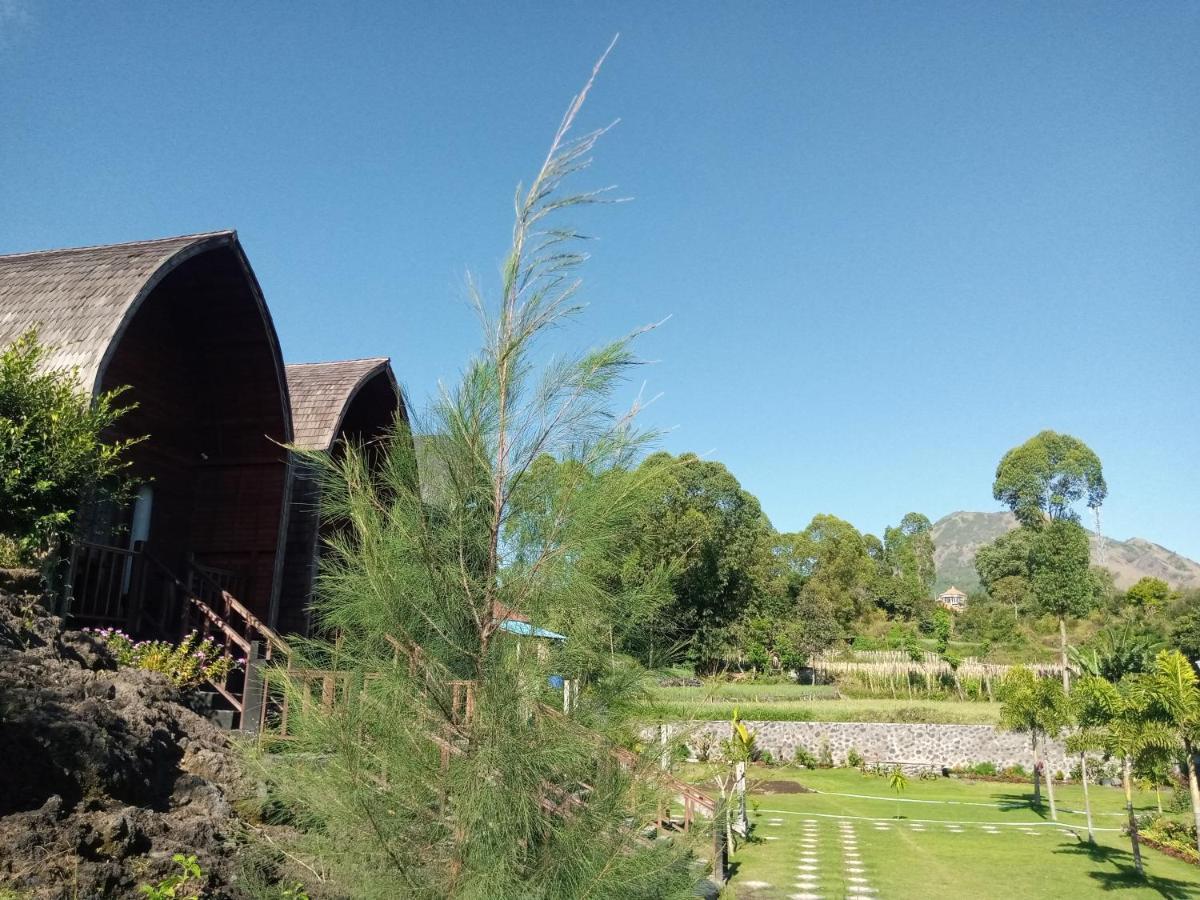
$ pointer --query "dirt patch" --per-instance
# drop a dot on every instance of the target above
(106, 773)
(779, 787)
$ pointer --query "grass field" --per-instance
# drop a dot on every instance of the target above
(801, 703)
(954, 839)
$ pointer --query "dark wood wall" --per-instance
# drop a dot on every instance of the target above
(200, 365)
(367, 419)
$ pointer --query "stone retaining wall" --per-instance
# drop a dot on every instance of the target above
(939, 745)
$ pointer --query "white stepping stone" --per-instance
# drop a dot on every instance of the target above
(856, 879)
(809, 821)
(756, 884)
(771, 837)
(860, 890)
(806, 880)
(808, 867)
(804, 896)
(855, 870)
(775, 821)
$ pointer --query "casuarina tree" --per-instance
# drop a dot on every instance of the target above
(445, 770)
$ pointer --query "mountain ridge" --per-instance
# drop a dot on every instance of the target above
(958, 535)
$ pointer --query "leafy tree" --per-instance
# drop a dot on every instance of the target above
(1149, 593)
(1005, 568)
(1041, 481)
(1043, 478)
(1185, 630)
(445, 771)
(53, 450)
(904, 567)
(835, 568)
(1038, 707)
(1062, 578)
(943, 626)
(710, 535)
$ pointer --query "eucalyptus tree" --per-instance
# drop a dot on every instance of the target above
(444, 771)
(1041, 481)
(1039, 707)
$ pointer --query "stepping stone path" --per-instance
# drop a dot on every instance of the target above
(857, 882)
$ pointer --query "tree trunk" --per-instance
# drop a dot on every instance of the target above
(1087, 802)
(1127, 781)
(1050, 791)
(1062, 646)
(1037, 773)
(1193, 786)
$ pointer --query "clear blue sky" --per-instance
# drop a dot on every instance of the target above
(895, 239)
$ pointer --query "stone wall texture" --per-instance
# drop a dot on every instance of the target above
(920, 745)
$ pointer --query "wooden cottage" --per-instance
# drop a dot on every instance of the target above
(355, 401)
(183, 322)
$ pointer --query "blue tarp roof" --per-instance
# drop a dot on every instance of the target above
(526, 630)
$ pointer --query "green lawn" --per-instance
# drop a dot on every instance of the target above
(955, 839)
(801, 703)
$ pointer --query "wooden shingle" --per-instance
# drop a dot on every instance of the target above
(81, 299)
(322, 392)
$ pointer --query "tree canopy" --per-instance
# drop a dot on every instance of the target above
(1044, 477)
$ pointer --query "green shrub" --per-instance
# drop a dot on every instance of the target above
(983, 768)
(10, 553)
(1179, 836)
(51, 452)
(187, 664)
(173, 886)
(805, 759)
(824, 754)
(853, 759)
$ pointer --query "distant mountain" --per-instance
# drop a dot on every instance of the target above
(957, 536)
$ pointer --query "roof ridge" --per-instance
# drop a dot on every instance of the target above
(163, 240)
(338, 362)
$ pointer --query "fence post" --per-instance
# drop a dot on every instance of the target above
(252, 691)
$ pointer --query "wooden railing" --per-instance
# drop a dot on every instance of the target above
(281, 688)
(134, 590)
(101, 588)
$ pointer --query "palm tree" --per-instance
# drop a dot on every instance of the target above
(897, 781)
(1121, 722)
(1085, 738)
(1171, 691)
(1037, 706)
(1115, 654)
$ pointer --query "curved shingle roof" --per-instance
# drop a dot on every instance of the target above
(82, 298)
(322, 392)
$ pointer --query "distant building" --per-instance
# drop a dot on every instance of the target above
(953, 599)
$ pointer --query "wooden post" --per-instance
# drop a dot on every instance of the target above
(720, 863)
(253, 688)
(739, 777)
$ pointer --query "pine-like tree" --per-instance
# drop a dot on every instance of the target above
(449, 768)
